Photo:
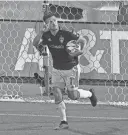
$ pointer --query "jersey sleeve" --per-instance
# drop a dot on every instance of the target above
(72, 36)
(42, 43)
(44, 40)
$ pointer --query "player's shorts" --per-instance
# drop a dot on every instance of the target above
(62, 78)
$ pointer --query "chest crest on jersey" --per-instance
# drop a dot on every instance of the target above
(61, 39)
(49, 39)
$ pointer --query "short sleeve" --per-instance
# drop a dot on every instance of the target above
(72, 36)
(44, 40)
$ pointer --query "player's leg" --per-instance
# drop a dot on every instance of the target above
(75, 81)
(73, 87)
(86, 93)
(74, 92)
(58, 84)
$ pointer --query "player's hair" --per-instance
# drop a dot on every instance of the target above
(48, 15)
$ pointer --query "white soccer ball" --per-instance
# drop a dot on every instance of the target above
(72, 46)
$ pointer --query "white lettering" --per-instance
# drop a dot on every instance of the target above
(23, 56)
(94, 61)
(114, 37)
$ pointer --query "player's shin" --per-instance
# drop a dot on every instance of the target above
(76, 93)
(60, 103)
(62, 109)
(84, 93)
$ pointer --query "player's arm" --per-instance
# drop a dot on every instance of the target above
(80, 43)
(37, 40)
(40, 42)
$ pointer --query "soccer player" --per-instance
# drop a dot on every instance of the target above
(66, 68)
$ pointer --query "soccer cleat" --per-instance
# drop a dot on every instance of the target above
(63, 125)
(93, 98)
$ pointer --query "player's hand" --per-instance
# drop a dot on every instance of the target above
(81, 42)
(74, 48)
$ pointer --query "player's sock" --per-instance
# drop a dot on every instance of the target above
(84, 93)
(62, 109)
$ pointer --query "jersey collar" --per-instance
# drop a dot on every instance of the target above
(56, 33)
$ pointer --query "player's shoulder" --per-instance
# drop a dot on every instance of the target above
(69, 32)
(64, 31)
(46, 33)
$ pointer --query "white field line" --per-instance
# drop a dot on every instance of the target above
(66, 101)
(55, 116)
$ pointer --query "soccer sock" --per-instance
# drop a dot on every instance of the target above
(62, 109)
(84, 93)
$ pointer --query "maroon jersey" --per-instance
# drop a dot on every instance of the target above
(57, 46)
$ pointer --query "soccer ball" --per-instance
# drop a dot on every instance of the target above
(72, 46)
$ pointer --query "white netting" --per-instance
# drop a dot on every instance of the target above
(105, 60)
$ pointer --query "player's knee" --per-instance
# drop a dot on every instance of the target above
(57, 95)
(62, 105)
(73, 94)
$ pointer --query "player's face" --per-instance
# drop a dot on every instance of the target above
(52, 23)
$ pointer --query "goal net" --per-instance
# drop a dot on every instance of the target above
(104, 64)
